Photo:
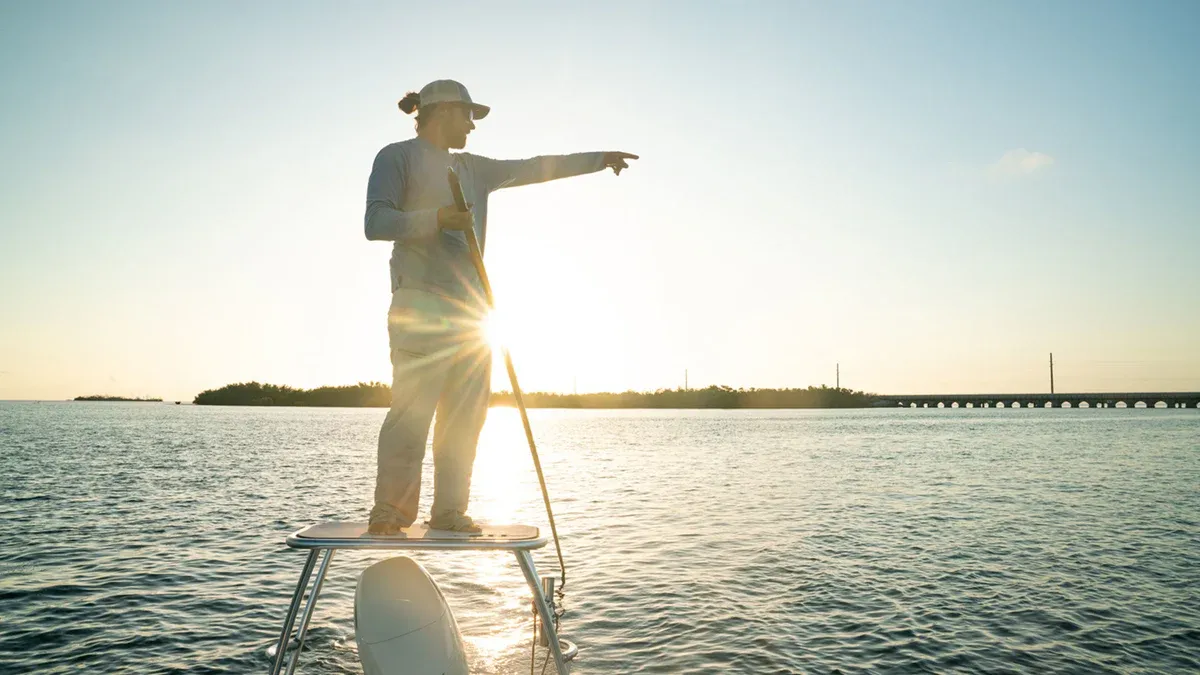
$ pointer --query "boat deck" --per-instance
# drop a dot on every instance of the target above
(351, 534)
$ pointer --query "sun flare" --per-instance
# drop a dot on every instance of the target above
(496, 330)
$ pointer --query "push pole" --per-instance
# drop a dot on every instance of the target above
(477, 259)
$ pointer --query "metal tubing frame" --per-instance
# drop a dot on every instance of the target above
(302, 630)
(286, 634)
(525, 559)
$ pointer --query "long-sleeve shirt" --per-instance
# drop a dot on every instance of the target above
(408, 185)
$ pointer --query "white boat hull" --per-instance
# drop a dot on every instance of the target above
(402, 623)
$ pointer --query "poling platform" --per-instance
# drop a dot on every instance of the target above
(354, 535)
(333, 535)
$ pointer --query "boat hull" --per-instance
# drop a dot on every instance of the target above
(403, 624)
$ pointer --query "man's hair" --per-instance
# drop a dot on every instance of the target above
(412, 103)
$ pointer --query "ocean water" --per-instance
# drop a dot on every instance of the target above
(148, 538)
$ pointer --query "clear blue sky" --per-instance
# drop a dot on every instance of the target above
(933, 194)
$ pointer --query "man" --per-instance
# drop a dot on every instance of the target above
(440, 360)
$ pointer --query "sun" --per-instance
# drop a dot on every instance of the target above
(499, 333)
(508, 331)
(496, 330)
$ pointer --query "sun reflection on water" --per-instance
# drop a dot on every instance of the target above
(501, 467)
(489, 653)
(499, 495)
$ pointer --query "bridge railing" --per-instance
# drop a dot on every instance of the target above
(1090, 400)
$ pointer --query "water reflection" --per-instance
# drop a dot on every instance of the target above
(501, 463)
(706, 541)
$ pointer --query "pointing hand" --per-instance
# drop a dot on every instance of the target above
(616, 161)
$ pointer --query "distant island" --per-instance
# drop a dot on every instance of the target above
(715, 396)
(117, 398)
(378, 395)
(361, 395)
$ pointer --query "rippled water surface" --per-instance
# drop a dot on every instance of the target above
(149, 538)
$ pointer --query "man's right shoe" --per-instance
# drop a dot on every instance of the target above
(454, 522)
(385, 528)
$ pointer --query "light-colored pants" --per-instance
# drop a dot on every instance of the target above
(440, 362)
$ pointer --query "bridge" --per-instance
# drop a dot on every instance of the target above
(1169, 399)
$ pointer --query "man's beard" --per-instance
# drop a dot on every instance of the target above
(457, 141)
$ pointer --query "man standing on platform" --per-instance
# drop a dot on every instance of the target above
(440, 359)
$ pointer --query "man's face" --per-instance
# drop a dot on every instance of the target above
(456, 124)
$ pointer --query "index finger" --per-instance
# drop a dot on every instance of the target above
(625, 155)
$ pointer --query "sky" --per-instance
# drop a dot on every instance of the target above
(930, 196)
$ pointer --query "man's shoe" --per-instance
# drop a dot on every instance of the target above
(454, 522)
(385, 528)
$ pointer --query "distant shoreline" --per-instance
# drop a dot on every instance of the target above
(378, 395)
(117, 398)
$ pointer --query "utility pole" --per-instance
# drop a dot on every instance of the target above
(685, 386)
(838, 376)
(575, 384)
(1051, 373)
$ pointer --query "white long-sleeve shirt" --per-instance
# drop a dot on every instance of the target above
(408, 185)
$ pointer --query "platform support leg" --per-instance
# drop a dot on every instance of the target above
(302, 630)
(293, 609)
(525, 559)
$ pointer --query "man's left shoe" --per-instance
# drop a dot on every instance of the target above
(454, 522)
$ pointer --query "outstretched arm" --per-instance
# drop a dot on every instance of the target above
(384, 220)
(502, 173)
